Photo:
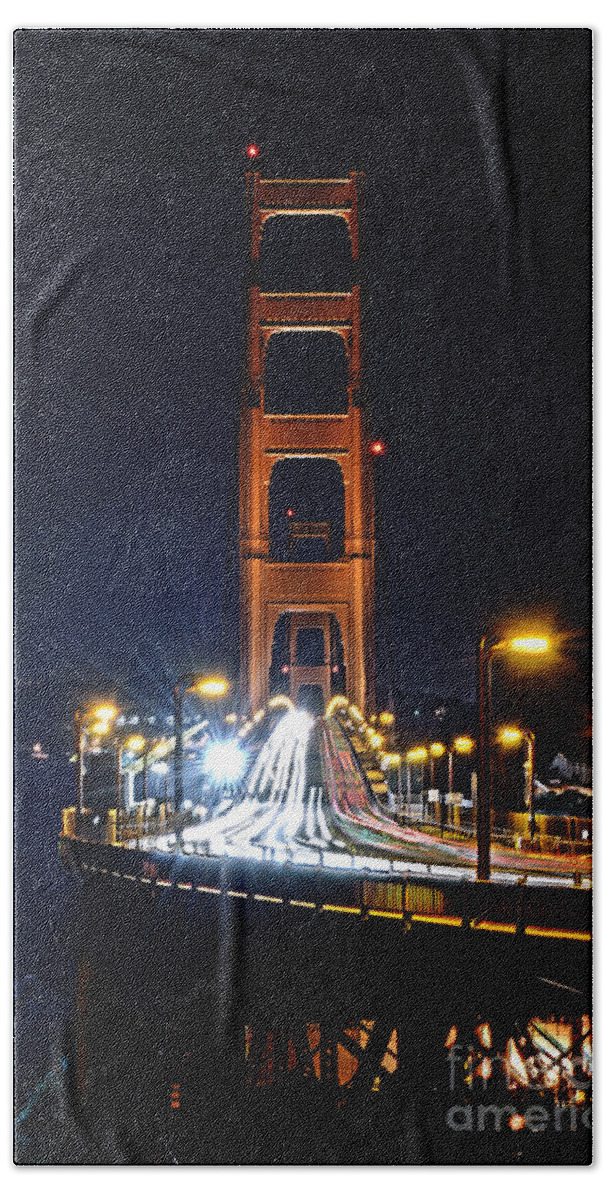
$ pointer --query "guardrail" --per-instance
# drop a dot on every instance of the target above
(553, 835)
(435, 901)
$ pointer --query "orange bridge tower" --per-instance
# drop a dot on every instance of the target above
(312, 595)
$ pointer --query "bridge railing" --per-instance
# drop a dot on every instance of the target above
(553, 834)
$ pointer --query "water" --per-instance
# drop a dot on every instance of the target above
(165, 1026)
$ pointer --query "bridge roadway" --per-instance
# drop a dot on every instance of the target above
(306, 800)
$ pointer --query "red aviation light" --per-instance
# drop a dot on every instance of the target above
(252, 151)
(285, 669)
(289, 512)
(377, 447)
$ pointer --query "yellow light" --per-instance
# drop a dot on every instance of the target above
(418, 754)
(437, 749)
(464, 745)
(137, 742)
(259, 715)
(510, 737)
(529, 645)
(105, 713)
(100, 728)
(212, 687)
(390, 760)
(280, 701)
(386, 718)
(375, 740)
(231, 719)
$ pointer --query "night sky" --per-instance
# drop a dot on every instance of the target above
(131, 244)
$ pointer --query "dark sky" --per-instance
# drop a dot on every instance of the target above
(131, 253)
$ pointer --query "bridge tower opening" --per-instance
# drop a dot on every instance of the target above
(336, 588)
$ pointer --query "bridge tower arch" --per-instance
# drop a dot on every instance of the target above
(310, 592)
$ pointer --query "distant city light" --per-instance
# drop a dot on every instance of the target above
(225, 762)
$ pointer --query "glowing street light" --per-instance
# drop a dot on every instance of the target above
(418, 754)
(510, 738)
(385, 718)
(213, 688)
(528, 643)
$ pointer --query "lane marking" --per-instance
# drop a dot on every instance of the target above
(302, 903)
(186, 887)
(381, 912)
(494, 926)
(572, 934)
(339, 908)
(432, 920)
(268, 899)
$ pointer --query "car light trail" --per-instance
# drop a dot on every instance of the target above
(287, 809)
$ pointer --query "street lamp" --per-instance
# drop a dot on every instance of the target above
(527, 644)
(436, 750)
(135, 743)
(418, 754)
(460, 745)
(98, 721)
(211, 687)
(510, 738)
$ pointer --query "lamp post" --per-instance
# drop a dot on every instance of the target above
(212, 688)
(488, 647)
(136, 743)
(103, 717)
(418, 754)
(460, 745)
(436, 750)
(512, 737)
